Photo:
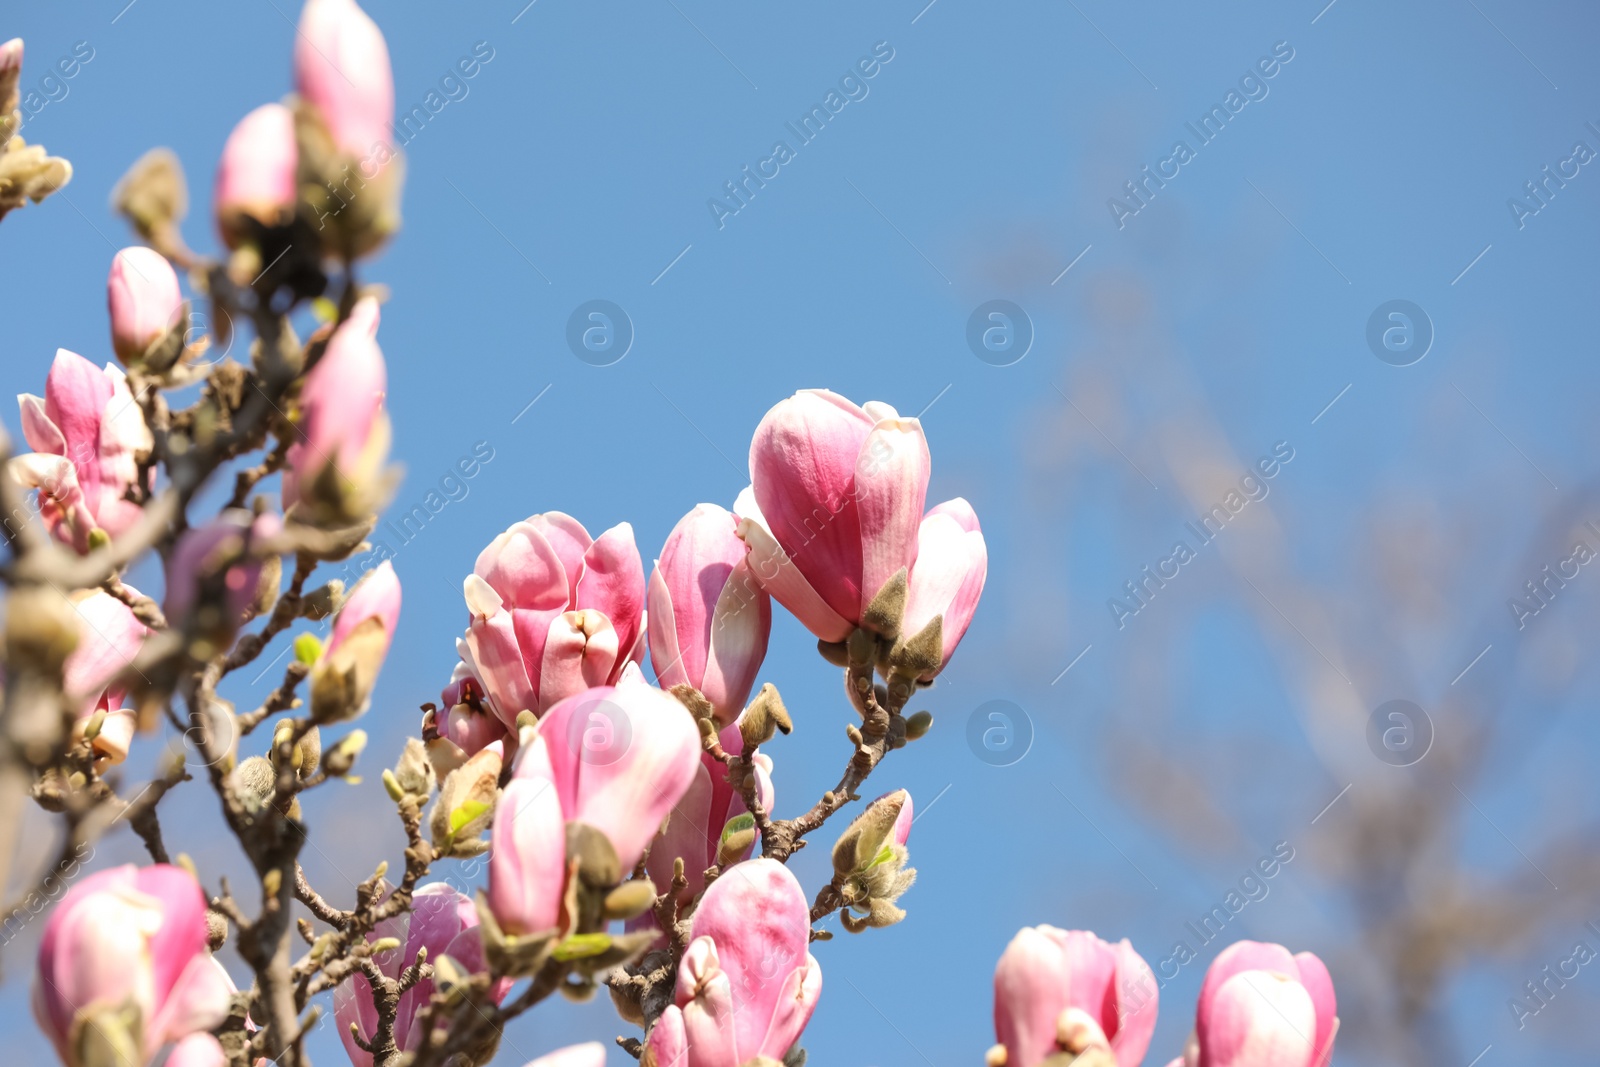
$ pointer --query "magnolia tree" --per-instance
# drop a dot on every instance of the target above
(627, 832)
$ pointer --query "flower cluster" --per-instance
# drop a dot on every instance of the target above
(1065, 996)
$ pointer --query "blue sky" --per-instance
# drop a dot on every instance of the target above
(1226, 315)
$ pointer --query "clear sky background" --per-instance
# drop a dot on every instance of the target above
(578, 164)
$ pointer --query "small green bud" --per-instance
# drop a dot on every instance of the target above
(307, 649)
(918, 724)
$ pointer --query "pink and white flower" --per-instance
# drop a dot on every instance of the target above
(1046, 972)
(554, 612)
(709, 619)
(86, 433)
(747, 984)
(129, 938)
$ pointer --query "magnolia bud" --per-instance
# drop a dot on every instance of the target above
(918, 724)
(341, 758)
(765, 716)
(466, 800)
(413, 775)
(888, 607)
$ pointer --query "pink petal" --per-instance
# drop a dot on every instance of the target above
(197, 1050)
(613, 583)
(1259, 1019)
(759, 919)
(635, 751)
(741, 625)
(1319, 984)
(570, 540)
(1236, 958)
(666, 654)
(1135, 1004)
(666, 1041)
(527, 858)
(947, 579)
(890, 488)
(803, 461)
(199, 1001)
(580, 652)
(342, 67)
(779, 576)
(713, 1013)
(492, 642)
(523, 567)
(42, 434)
(256, 171)
(796, 1001)
(377, 596)
(688, 834)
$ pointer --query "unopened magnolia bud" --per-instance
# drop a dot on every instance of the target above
(995, 1057)
(338, 760)
(324, 600)
(413, 774)
(392, 786)
(861, 846)
(918, 724)
(257, 779)
(694, 700)
(41, 628)
(735, 846)
(153, 196)
(888, 607)
(835, 652)
(853, 733)
(267, 587)
(216, 930)
(596, 857)
(922, 654)
(385, 944)
(630, 900)
(765, 717)
(466, 800)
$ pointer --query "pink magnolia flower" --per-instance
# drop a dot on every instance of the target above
(554, 612)
(256, 176)
(589, 1054)
(197, 551)
(109, 636)
(709, 620)
(197, 1050)
(341, 67)
(837, 499)
(1046, 972)
(617, 759)
(129, 936)
(1260, 1006)
(442, 921)
(461, 726)
(342, 422)
(948, 575)
(746, 985)
(85, 434)
(694, 828)
(144, 300)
